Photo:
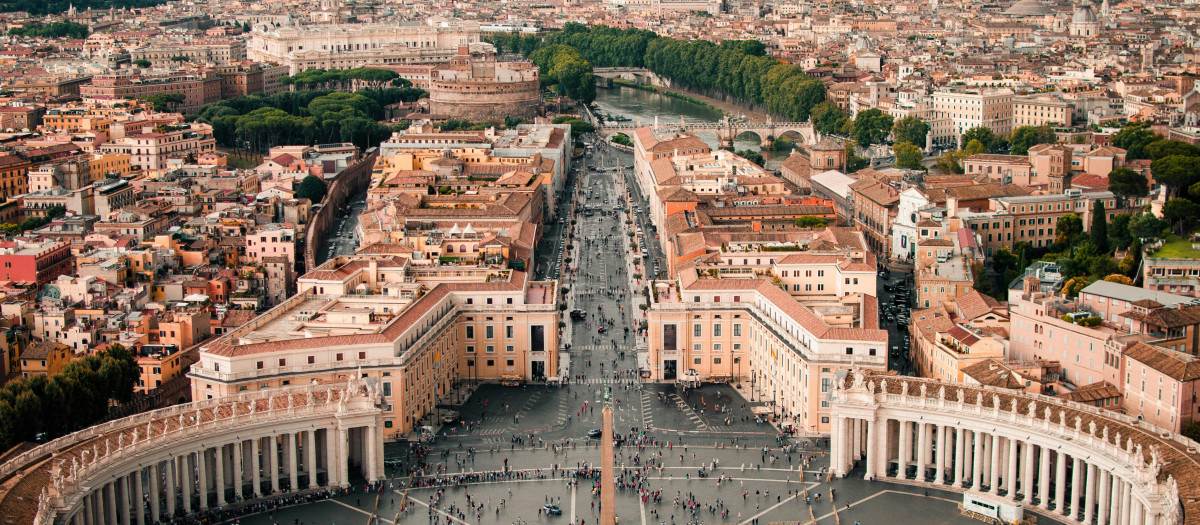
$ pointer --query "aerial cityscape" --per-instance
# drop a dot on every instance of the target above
(599, 262)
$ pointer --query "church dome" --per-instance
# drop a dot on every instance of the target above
(1084, 15)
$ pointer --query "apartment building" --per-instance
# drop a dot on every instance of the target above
(153, 150)
(272, 240)
(14, 178)
(991, 108)
(411, 339)
(875, 203)
(35, 262)
(202, 53)
(1041, 110)
(197, 90)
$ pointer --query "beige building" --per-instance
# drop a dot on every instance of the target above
(345, 46)
(961, 111)
(1041, 110)
(416, 337)
(788, 352)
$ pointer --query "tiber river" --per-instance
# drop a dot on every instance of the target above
(635, 103)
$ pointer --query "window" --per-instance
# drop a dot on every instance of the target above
(489, 332)
(362, 355)
(696, 361)
(490, 349)
(717, 330)
(849, 350)
(470, 349)
(716, 360)
(312, 359)
(508, 332)
(470, 332)
(737, 330)
(697, 330)
(669, 337)
(510, 349)
(509, 362)
(259, 365)
(491, 362)
(282, 362)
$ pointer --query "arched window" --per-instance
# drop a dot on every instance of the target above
(449, 248)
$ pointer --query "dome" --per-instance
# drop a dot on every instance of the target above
(1084, 15)
(1027, 8)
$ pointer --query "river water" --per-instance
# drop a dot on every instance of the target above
(637, 104)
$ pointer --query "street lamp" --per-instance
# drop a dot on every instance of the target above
(751, 384)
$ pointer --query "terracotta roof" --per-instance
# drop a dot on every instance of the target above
(1176, 365)
(992, 372)
(974, 304)
(1094, 392)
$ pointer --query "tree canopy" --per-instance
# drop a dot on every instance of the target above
(311, 188)
(910, 129)
(342, 78)
(77, 397)
(1125, 183)
(985, 136)
(564, 67)
(811, 221)
(871, 126)
(828, 118)
(1134, 139)
(52, 30)
(909, 156)
(1026, 137)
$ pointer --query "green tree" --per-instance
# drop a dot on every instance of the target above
(908, 156)
(973, 148)
(142, 63)
(984, 135)
(181, 58)
(1119, 236)
(164, 102)
(1147, 226)
(751, 155)
(1026, 137)
(1068, 228)
(910, 129)
(951, 161)
(1134, 139)
(1099, 231)
(311, 188)
(622, 139)
(1176, 172)
(1180, 213)
(853, 161)
(56, 211)
(811, 221)
(1126, 183)
(871, 126)
(52, 30)
(1165, 148)
(828, 118)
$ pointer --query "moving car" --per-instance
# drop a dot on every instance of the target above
(594, 433)
(578, 314)
(450, 418)
(551, 509)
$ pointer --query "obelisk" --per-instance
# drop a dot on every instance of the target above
(608, 496)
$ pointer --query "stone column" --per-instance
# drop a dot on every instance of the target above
(202, 472)
(186, 473)
(1089, 492)
(1027, 475)
(110, 502)
(1117, 499)
(274, 461)
(1136, 512)
(1011, 475)
(310, 446)
(343, 465)
(994, 466)
(1043, 478)
(155, 480)
(219, 473)
(1078, 482)
(835, 444)
(169, 467)
(331, 457)
(1126, 502)
(239, 477)
(139, 499)
(977, 460)
(292, 459)
(943, 451)
(872, 448)
(122, 484)
(256, 465)
(904, 450)
(1060, 481)
(1105, 493)
(922, 448)
(960, 442)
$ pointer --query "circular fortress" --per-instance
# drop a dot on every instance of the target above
(475, 86)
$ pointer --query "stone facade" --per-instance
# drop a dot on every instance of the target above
(474, 86)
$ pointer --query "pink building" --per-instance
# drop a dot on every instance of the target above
(1161, 386)
(1039, 332)
(1111, 301)
(272, 240)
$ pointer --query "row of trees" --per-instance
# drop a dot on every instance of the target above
(342, 79)
(48, 407)
(304, 117)
(738, 69)
(52, 30)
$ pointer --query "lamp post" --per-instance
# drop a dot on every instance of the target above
(751, 384)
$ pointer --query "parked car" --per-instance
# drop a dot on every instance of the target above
(551, 509)
(594, 433)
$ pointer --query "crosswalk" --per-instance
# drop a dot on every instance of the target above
(600, 381)
(597, 348)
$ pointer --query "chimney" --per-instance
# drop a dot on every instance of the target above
(951, 206)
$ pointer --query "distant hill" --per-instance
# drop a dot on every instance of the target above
(58, 7)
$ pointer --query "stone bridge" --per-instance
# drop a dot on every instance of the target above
(726, 131)
(168, 463)
(637, 75)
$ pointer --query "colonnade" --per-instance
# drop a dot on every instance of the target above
(207, 454)
(212, 476)
(1032, 457)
